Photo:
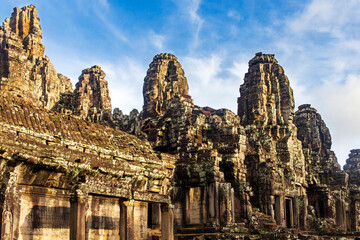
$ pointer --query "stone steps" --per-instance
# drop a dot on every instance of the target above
(197, 229)
(214, 236)
(265, 221)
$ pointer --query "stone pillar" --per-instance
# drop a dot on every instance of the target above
(140, 217)
(167, 222)
(178, 214)
(340, 214)
(7, 226)
(123, 220)
(279, 210)
(226, 203)
(10, 199)
(303, 205)
(194, 206)
(247, 207)
(355, 215)
(127, 220)
(296, 204)
(232, 202)
(77, 217)
(203, 205)
(211, 200)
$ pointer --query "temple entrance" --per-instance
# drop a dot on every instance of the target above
(320, 209)
(289, 214)
(154, 215)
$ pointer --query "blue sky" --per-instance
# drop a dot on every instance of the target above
(316, 41)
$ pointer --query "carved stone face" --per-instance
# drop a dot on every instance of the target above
(152, 91)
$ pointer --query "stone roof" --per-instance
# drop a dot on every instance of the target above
(68, 144)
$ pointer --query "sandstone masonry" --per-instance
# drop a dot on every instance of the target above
(73, 168)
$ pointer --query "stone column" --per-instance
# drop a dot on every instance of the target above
(167, 222)
(354, 214)
(226, 203)
(340, 214)
(303, 205)
(77, 216)
(7, 226)
(123, 220)
(140, 217)
(213, 203)
(279, 210)
(10, 199)
(127, 220)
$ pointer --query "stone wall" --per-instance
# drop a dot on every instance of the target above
(210, 143)
(64, 183)
(185, 172)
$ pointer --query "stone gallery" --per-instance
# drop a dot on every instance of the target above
(74, 168)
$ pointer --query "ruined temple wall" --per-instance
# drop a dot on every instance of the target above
(44, 213)
(102, 217)
(50, 170)
(210, 174)
(328, 195)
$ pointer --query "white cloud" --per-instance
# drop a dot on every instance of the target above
(238, 69)
(234, 15)
(212, 84)
(112, 27)
(190, 10)
(320, 52)
(328, 16)
(202, 70)
(104, 3)
(192, 7)
(157, 40)
(125, 77)
(339, 105)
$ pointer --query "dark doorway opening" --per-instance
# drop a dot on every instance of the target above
(321, 209)
(289, 213)
(150, 217)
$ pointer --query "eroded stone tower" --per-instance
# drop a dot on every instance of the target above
(24, 68)
(275, 162)
(189, 172)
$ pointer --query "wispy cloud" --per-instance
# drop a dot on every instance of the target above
(157, 40)
(105, 4)
(238, 69)
(321, 54)
(101, 9)
(329, 16)
(112, 27)
(233, 14)
(190, 10)
(212, 84)
(125, 77)
(339, 105)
